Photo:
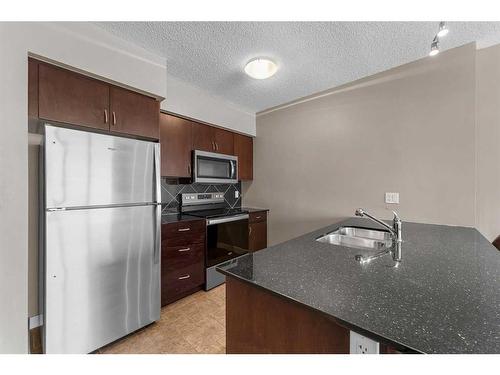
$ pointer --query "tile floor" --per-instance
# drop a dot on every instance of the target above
(193, 325)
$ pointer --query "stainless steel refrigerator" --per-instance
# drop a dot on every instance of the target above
(102, 238)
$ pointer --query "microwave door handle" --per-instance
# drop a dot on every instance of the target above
(232, 168)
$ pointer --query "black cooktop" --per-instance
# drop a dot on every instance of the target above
(219, 212)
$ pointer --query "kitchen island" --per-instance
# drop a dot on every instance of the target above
(304, 296)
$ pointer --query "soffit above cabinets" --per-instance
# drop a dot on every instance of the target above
(311, 56)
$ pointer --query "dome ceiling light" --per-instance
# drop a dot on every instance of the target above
(261, 68)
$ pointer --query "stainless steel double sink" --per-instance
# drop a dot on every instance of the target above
(360, 238)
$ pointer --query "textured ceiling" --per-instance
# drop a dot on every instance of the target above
(312, 56)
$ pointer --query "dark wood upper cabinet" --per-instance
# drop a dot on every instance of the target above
(243, 149)
(211, 139)
(133, 113)
(224, 143)
(32, 88)
(65, 96)
(203, 137)
(176, 146)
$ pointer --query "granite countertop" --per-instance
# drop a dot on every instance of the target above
(444, 296)
(177, 217)
(254, 209)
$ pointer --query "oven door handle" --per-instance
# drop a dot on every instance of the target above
(226, 219)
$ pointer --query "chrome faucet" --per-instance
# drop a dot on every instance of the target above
(395, 231)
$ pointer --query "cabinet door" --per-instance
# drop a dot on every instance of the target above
(69, 97)
(133, 113)
(224, 142)
(243, 149)
(175, 141)
(257, 236)
(203, 137)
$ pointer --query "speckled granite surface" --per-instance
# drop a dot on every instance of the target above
(177, 217)
(444, 297)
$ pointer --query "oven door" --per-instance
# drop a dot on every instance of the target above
(227, 238)
(213, 168)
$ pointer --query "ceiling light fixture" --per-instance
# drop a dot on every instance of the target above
(434, 47)
(260, 68)
(443, 30)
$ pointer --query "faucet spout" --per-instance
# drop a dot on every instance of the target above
(395, 231)
(360, 212)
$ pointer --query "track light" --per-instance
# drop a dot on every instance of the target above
(443, 30)
(434, 47)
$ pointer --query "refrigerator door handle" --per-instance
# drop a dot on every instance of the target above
(156, 252)
(157, 243)
(157, 173)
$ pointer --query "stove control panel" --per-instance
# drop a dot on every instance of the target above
(201, 198)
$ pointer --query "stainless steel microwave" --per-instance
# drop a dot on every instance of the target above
(213, 168)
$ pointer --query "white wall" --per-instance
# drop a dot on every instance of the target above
(193, 102)
(408, 130)
(85, 47)
(488, 141)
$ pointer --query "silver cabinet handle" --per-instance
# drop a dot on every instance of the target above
(216, 146)
(114, 118)
(183, 229)
(105, 116)
(257, 217)
(213, 145)
(182, 250)
(184, 277)
(249, 230)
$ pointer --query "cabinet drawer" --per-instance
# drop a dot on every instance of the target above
(177, 257)
(183, 280)
(257, 217)
(184, 233)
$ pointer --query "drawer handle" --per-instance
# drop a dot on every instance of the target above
(257, 217)
(184, 277)
(184, 229)
(186, 249)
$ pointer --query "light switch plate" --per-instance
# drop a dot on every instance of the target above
(392, 198)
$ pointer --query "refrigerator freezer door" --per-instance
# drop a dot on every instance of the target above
(88, 169)
(102, 276)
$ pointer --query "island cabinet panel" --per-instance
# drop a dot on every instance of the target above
(243, 149)
(65, 96)
(176, 146)
(224, 141)
(182, 259)
(275, 325)
(257, 231)
(203, 137)
(133, 113)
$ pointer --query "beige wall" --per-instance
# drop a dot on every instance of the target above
(488, 140)
(409, 130)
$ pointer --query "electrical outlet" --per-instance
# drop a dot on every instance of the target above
(236, 194)
(359, 344)
(392, 198)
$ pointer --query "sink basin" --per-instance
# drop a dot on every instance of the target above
(361, 238)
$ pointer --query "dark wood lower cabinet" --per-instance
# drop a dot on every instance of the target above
(182, 259)
(257, 231)
(259, 322)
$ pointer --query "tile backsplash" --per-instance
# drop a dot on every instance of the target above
(171, 191)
